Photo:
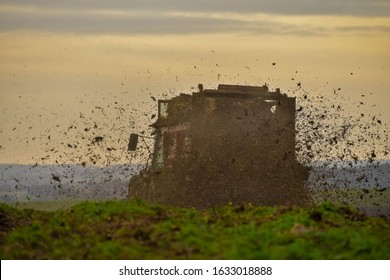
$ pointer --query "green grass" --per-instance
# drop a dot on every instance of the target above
(50, 205)
(137, 230)
(373, 201)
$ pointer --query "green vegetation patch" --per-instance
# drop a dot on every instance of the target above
(137, 230)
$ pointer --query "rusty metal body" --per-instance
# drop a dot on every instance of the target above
(233, 144)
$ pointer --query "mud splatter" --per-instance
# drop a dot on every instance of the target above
(330, 140)
(334, 134)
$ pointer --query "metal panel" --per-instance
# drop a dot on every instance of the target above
(133, 141)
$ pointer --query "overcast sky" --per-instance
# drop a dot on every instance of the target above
(296, 7)
(178, 16)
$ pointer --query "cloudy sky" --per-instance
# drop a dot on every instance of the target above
(62, 58)
(178, 17)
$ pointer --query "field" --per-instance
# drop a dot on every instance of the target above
(373, 201)
(138, 230)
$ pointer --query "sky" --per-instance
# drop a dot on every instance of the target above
(71, 71)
